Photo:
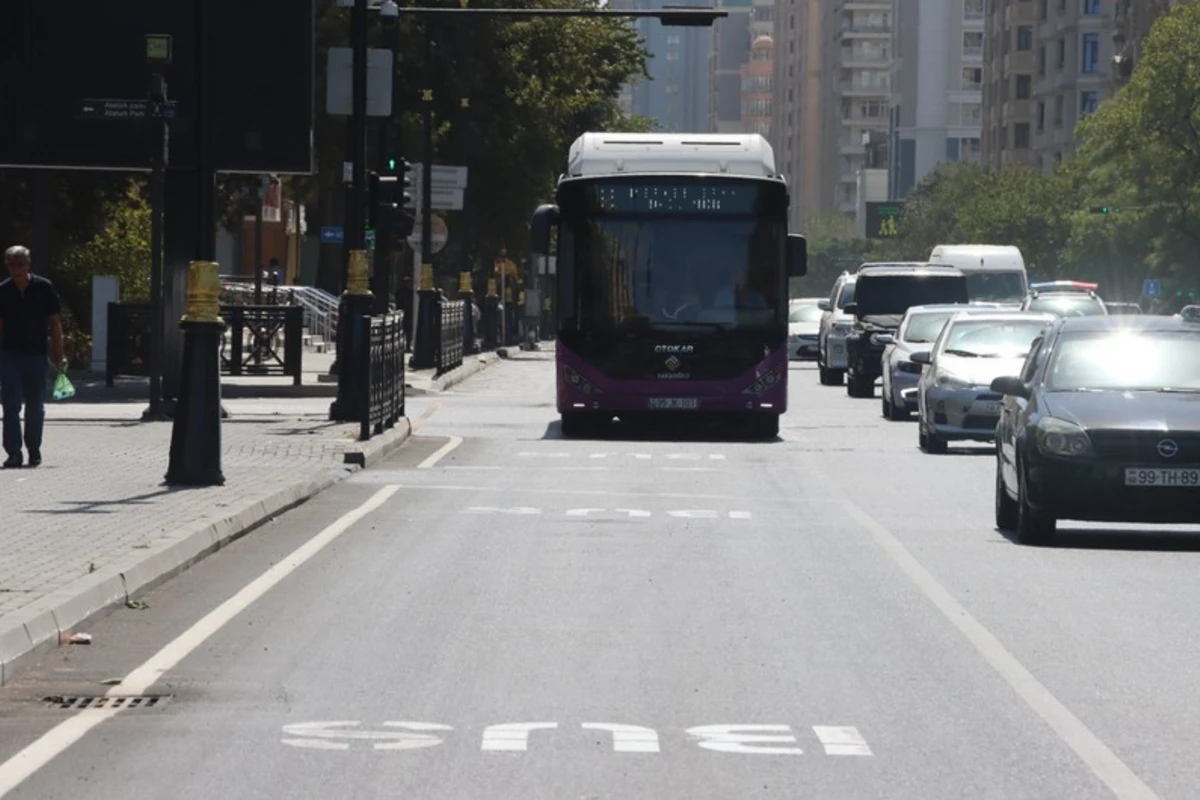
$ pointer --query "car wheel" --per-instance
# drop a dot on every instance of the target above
(896, 413)
(830, 377)
(935, 445)
(1006, 508)
(1033, 528)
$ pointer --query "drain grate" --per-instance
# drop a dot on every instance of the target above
(79, 702)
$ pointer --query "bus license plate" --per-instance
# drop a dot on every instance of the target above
(1153, 476)
(674, 403)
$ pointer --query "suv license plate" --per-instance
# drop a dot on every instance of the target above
(1154, 476)
(674, 403)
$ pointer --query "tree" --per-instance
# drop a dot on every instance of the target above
(532, 85)
(832, 249)
(967, 203)
(1141, 150)
(120, 248)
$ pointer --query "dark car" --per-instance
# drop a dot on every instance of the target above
(1103, 425)
(882, 296)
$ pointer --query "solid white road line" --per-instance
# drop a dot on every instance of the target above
(1103, 762)
(17, 769)
(441, 452)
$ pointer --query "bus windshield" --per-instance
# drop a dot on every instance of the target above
(677, 256)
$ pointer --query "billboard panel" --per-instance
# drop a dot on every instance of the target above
(56, 61)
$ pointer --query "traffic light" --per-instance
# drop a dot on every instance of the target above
(1105, 210)
(386, 200)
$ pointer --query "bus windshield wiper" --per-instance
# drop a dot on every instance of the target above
(964, 353)
(1180, 389)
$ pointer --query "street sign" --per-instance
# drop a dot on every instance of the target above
(444, 198)
(339, 92)
(440, 234)
(118, 109)
(1152, 287)
(450, 177)
(336, 234)
(883, 219)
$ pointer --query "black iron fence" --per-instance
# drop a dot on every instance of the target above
(449, 326)
(382, 376)
(127, 351)
(259, 340)
(254, 337)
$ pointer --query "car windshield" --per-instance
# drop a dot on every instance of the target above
(924, 328)
(804, 312)
(991, 338)
(996, 287)
(1126, 361)
(1083, 306)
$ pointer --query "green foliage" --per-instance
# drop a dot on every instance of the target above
(832, 249)
(1141, 152)
(532, 86)
(120, 248)
(967, 203)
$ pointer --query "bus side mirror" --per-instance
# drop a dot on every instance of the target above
(545, 219)
(797, 255)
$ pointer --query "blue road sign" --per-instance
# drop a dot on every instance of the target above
(335, 234)
(1152, 287)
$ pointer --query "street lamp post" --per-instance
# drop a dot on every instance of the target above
(356, 298)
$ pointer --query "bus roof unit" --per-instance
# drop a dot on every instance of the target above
(596, 154)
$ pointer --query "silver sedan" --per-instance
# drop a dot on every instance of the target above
(955, 401)
(918, 330)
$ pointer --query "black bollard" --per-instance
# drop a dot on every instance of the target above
(491, 317)
(425, 349)
(353, 308)
(467, 294)
(195, 457)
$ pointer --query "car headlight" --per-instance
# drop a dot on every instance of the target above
(1057, 437)
(841, 328)
(948, 381)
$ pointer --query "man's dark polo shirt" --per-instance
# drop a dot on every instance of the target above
(26, 316)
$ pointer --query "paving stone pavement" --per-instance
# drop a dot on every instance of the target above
(99, 495)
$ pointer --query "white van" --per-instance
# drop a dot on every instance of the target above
(995, 273)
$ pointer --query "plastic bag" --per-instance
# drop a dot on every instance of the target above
(63, 388)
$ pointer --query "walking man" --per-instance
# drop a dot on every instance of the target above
(30, 324)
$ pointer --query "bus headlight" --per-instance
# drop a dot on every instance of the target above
(578, 382)
(764, 383)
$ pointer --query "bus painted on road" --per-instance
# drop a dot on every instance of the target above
(673, 259)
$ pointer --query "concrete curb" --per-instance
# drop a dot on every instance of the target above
(472, 365)
(28, 634)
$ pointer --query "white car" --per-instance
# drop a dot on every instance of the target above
(955, 401)
(918, 331)
(835, 327)
(804, 327)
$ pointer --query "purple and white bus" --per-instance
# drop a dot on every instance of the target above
(673, 259)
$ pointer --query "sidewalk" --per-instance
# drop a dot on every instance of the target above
(94, 526)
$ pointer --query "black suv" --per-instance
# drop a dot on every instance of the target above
(882, 296)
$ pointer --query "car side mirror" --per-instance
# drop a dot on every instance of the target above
(884, 339)
(921, 357)
(851, 309)
(1010, 385)
(824, 305)
(797, 255)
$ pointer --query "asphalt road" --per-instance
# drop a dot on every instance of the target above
(830, 616)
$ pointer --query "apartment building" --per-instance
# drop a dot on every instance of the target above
(731, 38)
(937, 88)
(796, 122)
(758, 78)
(1134, 18)
(857, 92)
(676, 96)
